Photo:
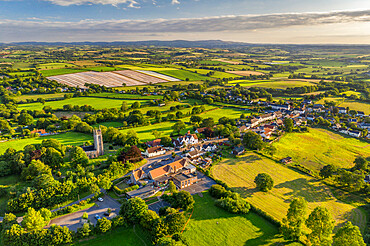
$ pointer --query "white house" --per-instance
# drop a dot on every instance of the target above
(154, 151)
(188, 139)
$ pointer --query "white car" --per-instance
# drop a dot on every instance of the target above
(100, 199)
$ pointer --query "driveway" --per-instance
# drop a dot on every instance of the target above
(204, 183)
(72, 221)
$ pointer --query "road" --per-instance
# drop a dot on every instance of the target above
(72, 221)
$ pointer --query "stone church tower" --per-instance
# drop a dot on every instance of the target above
(98, 142)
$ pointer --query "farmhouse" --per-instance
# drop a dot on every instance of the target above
(188, 139)
(154, 151)
(154, 143)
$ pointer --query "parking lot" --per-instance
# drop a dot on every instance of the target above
(204, 183)
(72, 221)
(156, 206)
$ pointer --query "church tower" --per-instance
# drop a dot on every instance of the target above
(98, 142)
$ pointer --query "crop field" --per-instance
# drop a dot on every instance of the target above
(96, 103)
(351, 104)
(216, 74)
(60, 71)
(239, 173)
(183, 74)
(35, 96)
(277, 84)
(246, 73)
(126, 96)
(54, 65)
(321, 147)
(69, 138)
(160, 77)
(141, 77)
(210, 225)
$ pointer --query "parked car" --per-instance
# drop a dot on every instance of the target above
(97, 217)
(100, 199)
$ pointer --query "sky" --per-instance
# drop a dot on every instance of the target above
(252, 21)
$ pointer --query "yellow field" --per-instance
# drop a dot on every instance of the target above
(240, 173)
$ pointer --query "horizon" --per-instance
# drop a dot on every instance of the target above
(258, 22)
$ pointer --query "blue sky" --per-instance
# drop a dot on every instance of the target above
(271, 21)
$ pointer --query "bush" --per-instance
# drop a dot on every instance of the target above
(236, 206)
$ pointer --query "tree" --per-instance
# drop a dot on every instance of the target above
(156, 134)
(348, 235)
(103, 225)
(178, 127)
(59, 235)
(172, 187)
(264, 182)
(252, 140)
(33, 220)
(288, 124)
(52, 158)
(133, 209)
(34, 169)
(195, 119)
(85, 216)
(124, 106)
(148, 219)
(352, 112)
(136, 105)
(25, 119)
(175, 222)
(84, 231)
(78, 156)
(166, 141)
(321, 225)
(327, 171)
(360, 163)
(132, 154)
(296, 216)
(94, 189)
(183, 200)
(208, 122)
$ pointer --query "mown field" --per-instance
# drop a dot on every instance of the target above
(210, 225)
(95, 102)
(239, 174)
(320, 147)
(183, 74)
(126, 96)
(44, 96)
(277, 84)
(351, 104)
(132, 236)
(69, 138)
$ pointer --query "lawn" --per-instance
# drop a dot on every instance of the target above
(69, 138)
(320, 147)
(239, 173)
(109, 124)
(183, 74)
(35, 96)
(95, 102)
(210, 225)
(122, 236)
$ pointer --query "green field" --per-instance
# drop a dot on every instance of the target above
(210, 225)
(95, 102)
(69, 138)
(239, 174)
(35, 96)
(60, 71)
(120, 237)
(109, 124)
(276, 84)
(126, 96)
(54, 65)
(183, 74)
(351, 104)
(320, 147)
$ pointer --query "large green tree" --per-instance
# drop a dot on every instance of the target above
(288, 124)
(264, 182)
(133, 209)
(252, 140)
(33, 220)
(321, 225)
(178, 127)
(348, 235)
(294, 221)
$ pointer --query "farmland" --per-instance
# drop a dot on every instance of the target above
(246, 73)
(96, 103)
(210, 225)
(320, 147)
(276, 84)
(239, 174)
(69, 138)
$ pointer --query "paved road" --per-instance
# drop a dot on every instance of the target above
(72, 221)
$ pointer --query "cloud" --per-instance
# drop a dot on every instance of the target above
(175, 2)
(231, 24)
(130, 3)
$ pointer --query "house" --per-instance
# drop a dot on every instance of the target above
(188, 139)
(41, 132)
(162, 174)
(353, 120)
(286, 160)
(143, 192)
(154, 151)
(364, 125)
(342, 110)
(194, 154)
(243, 129)
(279, 106)
(239, 150)
(318, 107)
(307, 101)
(200, 130)
(183, 180)
(266, 133)
(209, 147)
(353, 133)
(336, 126)
(137, 175)
(360, 114)
(154, 143)
(310, 117)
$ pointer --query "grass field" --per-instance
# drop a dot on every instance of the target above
(54, 65)
(320, 147)
(126, 96)
(69, 138)
(95, 102)
(35, 96)
(60, 71)
(183, 74)
(210, 225)
(351, 104)
(120, 237)
(239, 174)
(277, 84)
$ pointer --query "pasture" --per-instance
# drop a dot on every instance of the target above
(54, 65)
(60, 71)
(239, 173)
(351, 104)
(320, 147)
(44, 96)
(69, 138)
(126, 96)
(183, 74)
(210, 225)
(246, 73)
(276, 84)
(95, 102)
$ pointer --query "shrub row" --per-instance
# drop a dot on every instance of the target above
(124, 191)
